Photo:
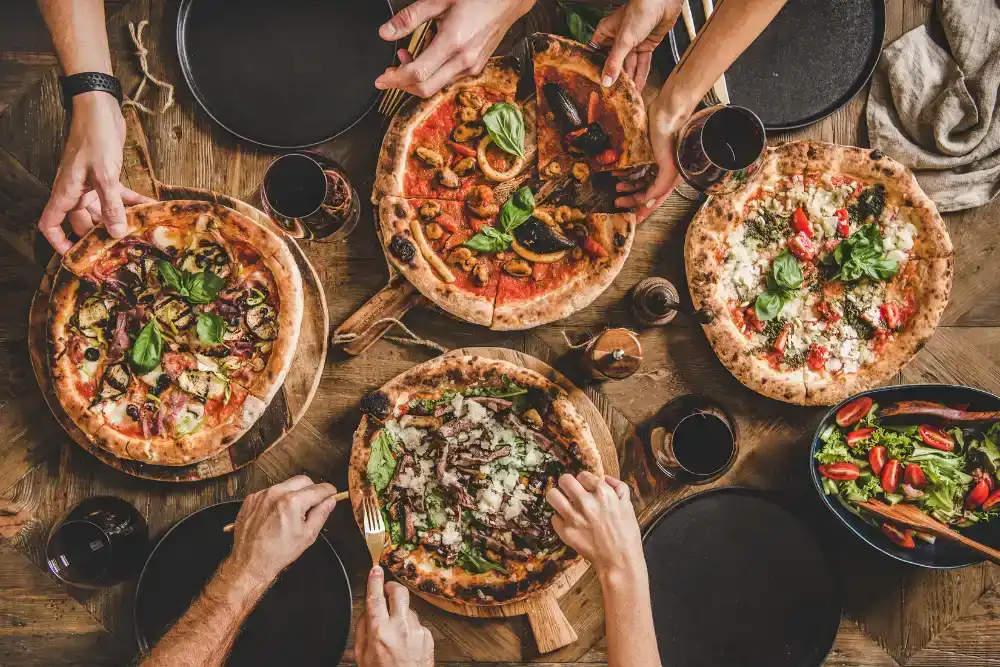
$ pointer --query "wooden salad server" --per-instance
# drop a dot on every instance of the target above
(912, 517)
(929, 409)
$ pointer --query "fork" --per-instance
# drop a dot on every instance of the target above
(393, 98)
(719, 93)
(374, 528)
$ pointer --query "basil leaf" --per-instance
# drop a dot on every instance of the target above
(582, 19)
(768, 305)
(517, 209)
(882, 269)
(171, 277)
(202, 287)
(148, 348)
(787, 272)
(505, 124)
(211, 328)
(490, 240)
(472, 560)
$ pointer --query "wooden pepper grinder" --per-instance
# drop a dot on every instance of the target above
(614, 355)
(654, 301)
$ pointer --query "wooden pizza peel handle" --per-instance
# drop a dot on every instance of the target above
(549, 624)
(391, 302)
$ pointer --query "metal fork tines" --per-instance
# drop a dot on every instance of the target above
(393, 98)
(374, 527)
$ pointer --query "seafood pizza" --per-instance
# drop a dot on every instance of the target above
(825, 275)
(166, 346)
(452, 220)
(460, 452)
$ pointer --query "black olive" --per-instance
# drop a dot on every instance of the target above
(619, 240)
(92, 354)
(233, 321)
(376, 403)
(133, 412)
(876, 154)
(217, 351)
(402, 248)
(220, 259)
(201, 261)
(163, 381)
(147, 299)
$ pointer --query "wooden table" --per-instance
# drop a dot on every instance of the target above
(893, 615)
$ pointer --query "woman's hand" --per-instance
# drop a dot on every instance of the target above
(595, 517)
(390, 635)
(634, 31)
(86, 189)
(468, 32)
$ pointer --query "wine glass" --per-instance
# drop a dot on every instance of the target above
(309, 195)
(693, 440)
(720, 149)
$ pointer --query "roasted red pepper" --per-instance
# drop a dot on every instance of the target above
(593, 248)
(467, 151)
(800, 221)
(892, 314)
(592, 105)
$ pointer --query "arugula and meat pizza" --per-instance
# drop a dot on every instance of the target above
(460, 452)
(825, 275)
(165, 346)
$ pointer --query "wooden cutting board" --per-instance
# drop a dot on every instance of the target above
(548, 623)
(284, 411)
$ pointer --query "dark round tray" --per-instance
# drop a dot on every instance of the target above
(813, 58)
(304, 619)
(286, 74)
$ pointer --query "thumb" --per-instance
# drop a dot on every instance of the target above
(408, 18)
(661, 188)
(623, 45)
(109, 191)
(317, 516)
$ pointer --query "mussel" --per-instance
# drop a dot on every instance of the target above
(562, 106)
(591, 139)
(541, 238)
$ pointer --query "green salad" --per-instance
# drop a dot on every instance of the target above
(947, 471)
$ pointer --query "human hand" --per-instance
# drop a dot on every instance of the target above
(276, 525)
(595, 517)
(86, 189)
(468, 32)
(391, 636)
(634, 30)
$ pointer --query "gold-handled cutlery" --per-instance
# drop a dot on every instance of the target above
(343, 495)
(393, 98)
(374, 527)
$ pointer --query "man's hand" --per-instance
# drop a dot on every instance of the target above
(595, 517)
(86, 189)
(468, 33)
(634, 31)
(276, 525)
(391, 636)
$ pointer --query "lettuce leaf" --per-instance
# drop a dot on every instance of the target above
(382, 462)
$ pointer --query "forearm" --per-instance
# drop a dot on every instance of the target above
(628, 616)
(729, 31)
(205, 633)
(78, 33)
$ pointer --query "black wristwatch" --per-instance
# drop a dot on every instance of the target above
(86, 82)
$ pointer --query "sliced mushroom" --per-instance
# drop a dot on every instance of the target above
(429, 157)
(517, 267)
(467, 132)
(465, 166)
(114, 382)
(488, 170)
(174, 310)
(433, 231)
(468, 98)
(532, 418)
(581, 171)
(262, 321)
(449, 179)
(429, 210)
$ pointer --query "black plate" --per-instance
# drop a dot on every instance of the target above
(808, 63)
(304, 619)
(942, 555)
(284, 74)
(737, 580)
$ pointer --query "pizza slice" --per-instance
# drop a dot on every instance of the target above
(582, 126)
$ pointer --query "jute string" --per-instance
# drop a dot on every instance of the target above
(143, 52)
(410, 338)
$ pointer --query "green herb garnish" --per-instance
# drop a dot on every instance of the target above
(211, 328)
(514, 213)
(147, 348)
(381, 462)
(197, 288)
(473, 561)
(782, 282)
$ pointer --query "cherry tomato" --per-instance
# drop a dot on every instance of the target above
(936, 438)
(891, 473)
(979, 493)
(854, 437)
(892, 314)
(817, 358)
(827, 312)
(802, 247)
(800, 221)
(607, 156)
(840, 471)
(782, 340)
(877, 458)
(843, 226)
(914, 476)
(991, 500)
(901, 536)
(854, 411)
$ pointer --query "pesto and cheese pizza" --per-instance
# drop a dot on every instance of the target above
(166, 346)
(460, 452)
(824, 276)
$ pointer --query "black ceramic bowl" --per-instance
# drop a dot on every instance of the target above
(942, 555)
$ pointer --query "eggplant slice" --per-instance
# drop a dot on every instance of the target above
(262, 321)
(114, 382)
(174, 310)
(541, 238)
(93, 312)
(207, 256)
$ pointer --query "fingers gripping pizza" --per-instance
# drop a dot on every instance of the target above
(460, 452)
(824, 276)
(167, 345)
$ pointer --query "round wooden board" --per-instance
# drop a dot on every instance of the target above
(284, 411)
(549, 624)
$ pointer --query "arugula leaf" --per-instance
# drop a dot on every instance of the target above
(505, 125)
(474, 561)
(381, 462)
(211, 328)
(395, 529)
(517, 209)
(489, 240)
(147, 348)
(202, 287)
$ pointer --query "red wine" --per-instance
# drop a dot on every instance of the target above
(720, 148)
(295, 185)
(732, 138)
(79, 552)
(703, 443)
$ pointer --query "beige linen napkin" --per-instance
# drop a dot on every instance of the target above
(936, 111)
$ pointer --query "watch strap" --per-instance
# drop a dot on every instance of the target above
(86, 82)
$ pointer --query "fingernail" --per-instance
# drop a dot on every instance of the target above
(376, 572)
(650, 203)
(389, 29)
(607, 81)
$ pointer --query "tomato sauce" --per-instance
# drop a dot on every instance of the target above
(245, 253)
(556, 275)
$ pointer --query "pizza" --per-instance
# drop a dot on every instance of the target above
(166, 346)
(583, 126)
(460, 452)
(464, 214)
(824, 276)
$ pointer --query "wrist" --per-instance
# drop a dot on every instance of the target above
(676, 102)
(622, 574)
(243, 576)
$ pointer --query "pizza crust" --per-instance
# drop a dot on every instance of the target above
(566, 426)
